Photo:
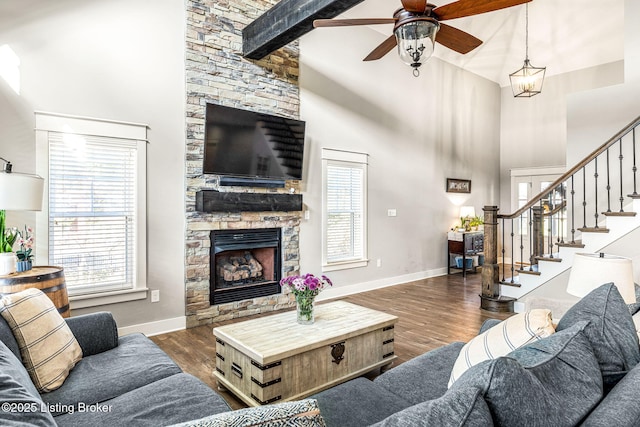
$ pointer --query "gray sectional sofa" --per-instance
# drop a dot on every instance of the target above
(587, 373)
(126, 381)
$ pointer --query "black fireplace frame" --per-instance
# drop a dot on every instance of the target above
(232, 240)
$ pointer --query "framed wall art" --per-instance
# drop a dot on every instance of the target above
(455, 185)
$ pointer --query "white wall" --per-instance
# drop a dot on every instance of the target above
(119, 60)
(417, 132)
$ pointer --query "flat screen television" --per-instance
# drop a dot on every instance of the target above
(244, 143)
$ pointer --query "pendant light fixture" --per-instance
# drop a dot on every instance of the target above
(528, 80)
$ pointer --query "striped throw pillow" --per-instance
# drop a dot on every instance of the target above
(47, 346)
(502, 339)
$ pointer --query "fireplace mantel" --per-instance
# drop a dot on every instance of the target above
(217, 201)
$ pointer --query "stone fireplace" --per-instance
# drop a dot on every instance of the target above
(245, 264)
(216, 72)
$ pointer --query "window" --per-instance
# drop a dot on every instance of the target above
(345, 214)
(95, 215)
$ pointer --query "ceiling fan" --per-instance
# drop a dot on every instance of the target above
(416, 24)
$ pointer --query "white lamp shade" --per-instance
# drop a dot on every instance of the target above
(590, 271)
(467, 212)
(20, 192)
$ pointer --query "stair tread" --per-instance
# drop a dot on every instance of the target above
(545, 258)
(507, 283)
(594, 230)
(619, 213)
(532, 272)
(575, 244)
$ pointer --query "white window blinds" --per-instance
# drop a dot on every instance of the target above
(344, 213)
(92, 211)
(344, 208)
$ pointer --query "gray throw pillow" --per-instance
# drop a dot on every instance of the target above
(553, 382)
(21, 403)
(457, 408)
(611, 331)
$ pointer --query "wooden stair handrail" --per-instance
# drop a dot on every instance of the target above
(574, 169)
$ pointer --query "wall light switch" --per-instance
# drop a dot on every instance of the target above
(307, 215)
(155, 295)
(391, 212)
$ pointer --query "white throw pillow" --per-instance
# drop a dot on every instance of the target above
(502, 339)
(47, 346)
(636, 321)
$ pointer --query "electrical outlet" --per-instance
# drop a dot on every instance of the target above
(155, 295)
(391, 212)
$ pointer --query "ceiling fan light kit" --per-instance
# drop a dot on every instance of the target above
(415, 40)
(528, 80)
(416, 25)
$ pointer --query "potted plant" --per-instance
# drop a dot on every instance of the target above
(7, 239)
(26, 247)
(476, 222)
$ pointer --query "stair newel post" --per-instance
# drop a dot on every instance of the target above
(635, 168)
(521, 243)
(537, 234)
(513, 258)
(621, 157)
(595, 191)
(573, 211)
(503, 252)
(584, 197)
(490, 298)
(552, 207)
(608, 187)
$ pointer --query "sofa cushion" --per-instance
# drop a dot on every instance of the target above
(424, 377)
(358, 402)
(21, 403)
(171, 400)
(134, 363)
(457, 408)
(6, 336)
(555, 381)
(611, 331)
(621, 407)
(302, 413)
(503, 338)
(48, 348)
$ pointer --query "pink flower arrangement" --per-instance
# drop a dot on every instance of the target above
(25, 241)
(307, 285)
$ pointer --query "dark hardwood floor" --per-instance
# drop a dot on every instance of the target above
(432, 312)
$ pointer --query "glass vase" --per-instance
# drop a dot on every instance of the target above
(304, 309)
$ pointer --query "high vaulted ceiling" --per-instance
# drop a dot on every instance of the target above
(564, 35)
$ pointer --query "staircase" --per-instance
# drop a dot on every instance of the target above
(588, 208)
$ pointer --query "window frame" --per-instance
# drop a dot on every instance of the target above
(51, 122)
(355, 160)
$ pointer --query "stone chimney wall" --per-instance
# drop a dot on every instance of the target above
(216, 72)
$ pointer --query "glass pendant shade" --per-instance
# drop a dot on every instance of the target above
(415, 41)
(527, 81)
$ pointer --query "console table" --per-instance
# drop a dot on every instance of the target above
(467, 244)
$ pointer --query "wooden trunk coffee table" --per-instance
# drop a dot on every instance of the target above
(273, 358)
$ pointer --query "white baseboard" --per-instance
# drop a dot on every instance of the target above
(156, 328)
(180, 323)
(343, 291)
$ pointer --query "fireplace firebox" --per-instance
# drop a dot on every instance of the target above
(245, 264)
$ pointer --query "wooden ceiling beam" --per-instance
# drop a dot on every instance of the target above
(287, 21)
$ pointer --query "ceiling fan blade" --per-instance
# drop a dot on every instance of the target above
(456, 39)
(382, 49)
(416, 6)
(349, 22)
(462, 8)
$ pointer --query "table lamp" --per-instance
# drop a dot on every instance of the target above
(18, 192)
(590, 271)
